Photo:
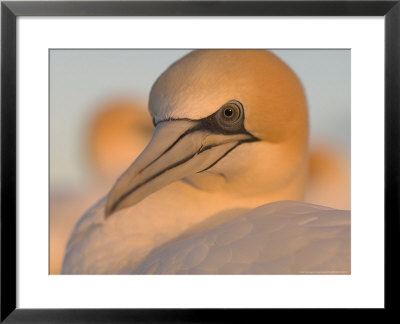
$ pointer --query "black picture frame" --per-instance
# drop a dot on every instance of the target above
(10, 10)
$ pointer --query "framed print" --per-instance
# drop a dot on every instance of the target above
(163, 158)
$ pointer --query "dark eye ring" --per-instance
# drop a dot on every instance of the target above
(230, 113)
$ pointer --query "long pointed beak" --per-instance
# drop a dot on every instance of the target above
(178, 148)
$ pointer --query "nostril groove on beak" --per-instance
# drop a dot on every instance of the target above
(200, 149)
(190, 130)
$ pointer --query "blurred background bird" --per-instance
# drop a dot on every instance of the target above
(117, 131)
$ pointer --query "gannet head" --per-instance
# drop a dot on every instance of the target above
(239, 114)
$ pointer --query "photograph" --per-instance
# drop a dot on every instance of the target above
(189, 161)
(200, 161)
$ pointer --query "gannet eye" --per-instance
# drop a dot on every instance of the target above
(230, 114)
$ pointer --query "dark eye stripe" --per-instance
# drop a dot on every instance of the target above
(214, 124)
(211, 124)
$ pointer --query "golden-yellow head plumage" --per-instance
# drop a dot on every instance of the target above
(201, 82)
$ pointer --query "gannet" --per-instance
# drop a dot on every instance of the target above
(231, 134)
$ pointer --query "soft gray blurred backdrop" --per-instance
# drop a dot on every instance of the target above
(80, 79)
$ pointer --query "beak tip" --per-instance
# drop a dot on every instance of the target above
(109, 209)
(107, 214)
